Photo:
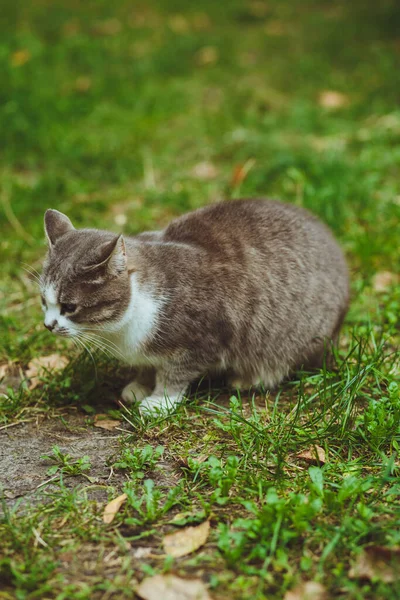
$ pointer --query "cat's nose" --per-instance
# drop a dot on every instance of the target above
(50, 326)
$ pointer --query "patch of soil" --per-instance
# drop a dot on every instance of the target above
(23, 472)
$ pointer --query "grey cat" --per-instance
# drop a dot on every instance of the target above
(251, 288)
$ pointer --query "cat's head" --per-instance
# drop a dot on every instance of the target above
(85, 281)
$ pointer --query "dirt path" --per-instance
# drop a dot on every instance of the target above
(23, 472)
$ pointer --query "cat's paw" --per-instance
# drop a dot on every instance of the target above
(241, 384)
(134, 392)
(157, 405)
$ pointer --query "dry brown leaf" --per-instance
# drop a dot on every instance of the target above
(108, 27)
(315, 455)
(384, 280)
(169, 587)
(142, 552)
(331, 99)
(307, 590)
(3, 370)
(104, 422)
(39, 366)
(204, 170)
(275, 28)
(377, 563)
(20, 57)
(186, 540)
(83, 83)
(113, 507)
(240, 172)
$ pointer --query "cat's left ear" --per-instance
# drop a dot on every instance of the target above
(56, 224)
(111, 256)
(117, 261)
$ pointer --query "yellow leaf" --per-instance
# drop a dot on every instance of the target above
(112, 508)
(20, 57)
(204, 170)
(383, 280)
(331, 99)
(169, 587)
(307, 590)
(377, 563)
(103, 422)
(208, 55)
(316, 454)
(178, 24)
(187, 540)
(83, 83)
(39, 366)
(108, 27)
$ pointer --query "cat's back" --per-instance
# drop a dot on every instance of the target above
(265, 226)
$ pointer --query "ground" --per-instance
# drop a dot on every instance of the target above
(124, 116)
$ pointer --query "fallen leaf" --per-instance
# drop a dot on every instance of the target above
(331, 99)
(178, 24)
(108, 27)
(187, 540)
(20, 57)
(383, 280)
(103, 422)
(241, 171)
(276, 28)
(201, 21)
(169, 587)
(39, 366)
(314, 455)
(112, 508)
(307, 590)
(3, 370)
(121, 219)
(208, 55)
(377, 563)
(142, 552)
(83, 83)
(71, 28)
(259, 9)
(204, 170)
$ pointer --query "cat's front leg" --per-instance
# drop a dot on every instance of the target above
(140, 387)
(135, 392)
(169, 391)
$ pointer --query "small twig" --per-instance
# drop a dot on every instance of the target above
(38, 538)
(123, 430)
(111, 474)
(16, 423)
(48, 481)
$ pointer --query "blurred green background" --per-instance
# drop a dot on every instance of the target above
(126, 114)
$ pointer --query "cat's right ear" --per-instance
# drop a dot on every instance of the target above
(56, 225)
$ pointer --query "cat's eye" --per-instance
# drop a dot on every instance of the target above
(68, 308)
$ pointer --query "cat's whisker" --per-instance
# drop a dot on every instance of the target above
(103, 339)
(80, 341)
(96, 344)
(32, 270)
(103, 344)
(35, 277)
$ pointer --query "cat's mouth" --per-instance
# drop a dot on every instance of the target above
(64, 333)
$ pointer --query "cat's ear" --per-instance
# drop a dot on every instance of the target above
(111, 255)
(56, 225)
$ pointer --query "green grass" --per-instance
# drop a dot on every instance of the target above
(106, 112)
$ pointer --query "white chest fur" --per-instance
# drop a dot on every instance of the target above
(136, 326)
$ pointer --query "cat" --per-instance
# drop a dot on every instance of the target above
(250, 288)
